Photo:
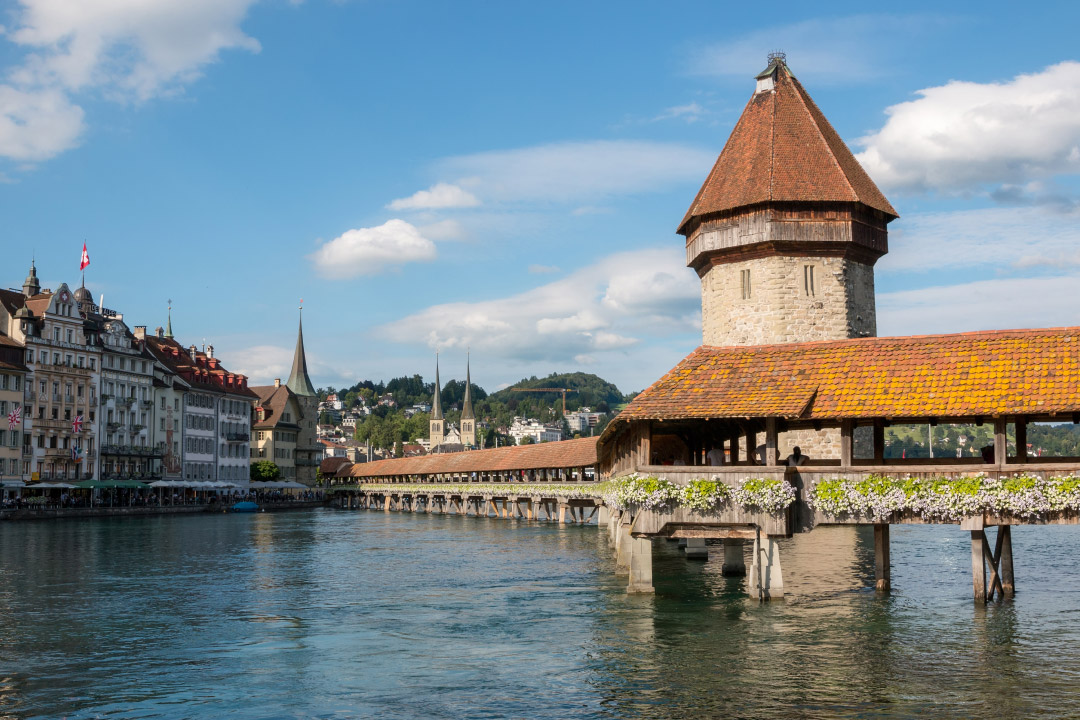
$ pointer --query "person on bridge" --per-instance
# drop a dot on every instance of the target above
(716, 456)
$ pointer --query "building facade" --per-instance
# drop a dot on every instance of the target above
(60, 398)
(14, 470)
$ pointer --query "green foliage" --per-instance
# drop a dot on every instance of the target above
(264, 471)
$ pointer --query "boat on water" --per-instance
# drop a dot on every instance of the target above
(245, 506)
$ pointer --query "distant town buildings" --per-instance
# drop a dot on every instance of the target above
(535, 430)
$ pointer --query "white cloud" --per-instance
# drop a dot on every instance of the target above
(438, 197)
(690, 113)
(37, 124)
(966, 136)
(367, 251)
(605, 307)
(998, 238)
(997, 304)
(124, 49)
(849, 49)
(577, 171)
(265, 363)
(443, 230)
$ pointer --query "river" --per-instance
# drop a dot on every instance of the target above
(333, 614)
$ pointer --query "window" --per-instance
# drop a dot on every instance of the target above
(745, 275)
(93, 363)
(808, 280)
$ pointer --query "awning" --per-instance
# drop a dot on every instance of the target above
(12, 483)
(278, 485)
(51, 486)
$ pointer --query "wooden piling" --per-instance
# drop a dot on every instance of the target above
(882, 563)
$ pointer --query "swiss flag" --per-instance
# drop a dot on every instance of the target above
(85, 259)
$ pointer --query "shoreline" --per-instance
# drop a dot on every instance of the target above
(29, 514)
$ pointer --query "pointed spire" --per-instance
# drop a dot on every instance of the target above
(31, 286)
(168, 325)
(299, 382)
(466, 406)
(436, 403)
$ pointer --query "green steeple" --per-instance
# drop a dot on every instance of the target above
(168, 323)
(436, 404)
(31, 286)
(466, 406)
(299, 382)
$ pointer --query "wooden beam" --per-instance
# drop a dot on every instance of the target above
(1000, 444)
(882, 563)
(879, 442)
(1021, 439)
(978, 565)
(751, 447)
(771, 458)
(847, 433)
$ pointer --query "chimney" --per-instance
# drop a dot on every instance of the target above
(159, 332)
(210, 351)
(193, 351)
(277, 382)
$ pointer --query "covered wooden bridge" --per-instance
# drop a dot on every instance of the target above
(736, 397)
(553, 481)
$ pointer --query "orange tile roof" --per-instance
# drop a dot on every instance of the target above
(783, 149)
(1006, 372)
(565, 454)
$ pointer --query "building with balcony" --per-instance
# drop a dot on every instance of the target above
(60, 397)
(129, 449)
(14, 470)
(206, 412)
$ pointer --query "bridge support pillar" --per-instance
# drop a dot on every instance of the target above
(998, 559)
(882, 564)
(640, 566)
(622, 546)
(602, 515)
(386, 503)
(563, 507)
(766, 577)
(613, 526)
(734, 562)
(696, 549)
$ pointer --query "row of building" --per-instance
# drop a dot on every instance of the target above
(85, 396)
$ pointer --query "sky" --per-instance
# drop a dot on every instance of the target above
(507, 178)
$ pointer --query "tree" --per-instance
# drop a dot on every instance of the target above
(324, 419)
(264, 471)
(399, 451)
(527, 440)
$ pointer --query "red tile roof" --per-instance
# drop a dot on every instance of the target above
(201, 372)
(564, 454)
(1006, 372)
(332, 466)
(784, 150)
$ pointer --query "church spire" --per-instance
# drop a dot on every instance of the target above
(299, 382)
(436, 403)
(466, 406)
(168, 324)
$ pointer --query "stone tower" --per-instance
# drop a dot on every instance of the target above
(786, 229)
(436, 426)
(468, 418)
(308, 450)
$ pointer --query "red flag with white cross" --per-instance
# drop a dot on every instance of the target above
(85, 259)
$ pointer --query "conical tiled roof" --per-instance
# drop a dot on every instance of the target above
(299, 382)
(783, 150)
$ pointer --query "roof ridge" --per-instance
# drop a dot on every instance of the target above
(890, 338)
(803, 96)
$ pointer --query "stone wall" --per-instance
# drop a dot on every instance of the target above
(779, 309)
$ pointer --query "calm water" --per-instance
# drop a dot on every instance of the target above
(330, 614)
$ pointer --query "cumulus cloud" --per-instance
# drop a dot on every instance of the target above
(998, 304)
(123, 49)
(577, 171)
(964, 136)
(608, 306)
(443, 230)
(994, 239)
(440, 196)
(368, 251)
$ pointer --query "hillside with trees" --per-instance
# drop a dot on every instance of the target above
(388, 425)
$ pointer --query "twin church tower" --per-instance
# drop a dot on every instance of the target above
(437, 425)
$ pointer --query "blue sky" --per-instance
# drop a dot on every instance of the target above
(509, 176)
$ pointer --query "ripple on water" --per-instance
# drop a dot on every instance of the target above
(342, 615)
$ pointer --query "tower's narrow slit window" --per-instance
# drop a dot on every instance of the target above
(745, 274)
(808, 280)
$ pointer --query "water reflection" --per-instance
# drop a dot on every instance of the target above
(343, 615)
